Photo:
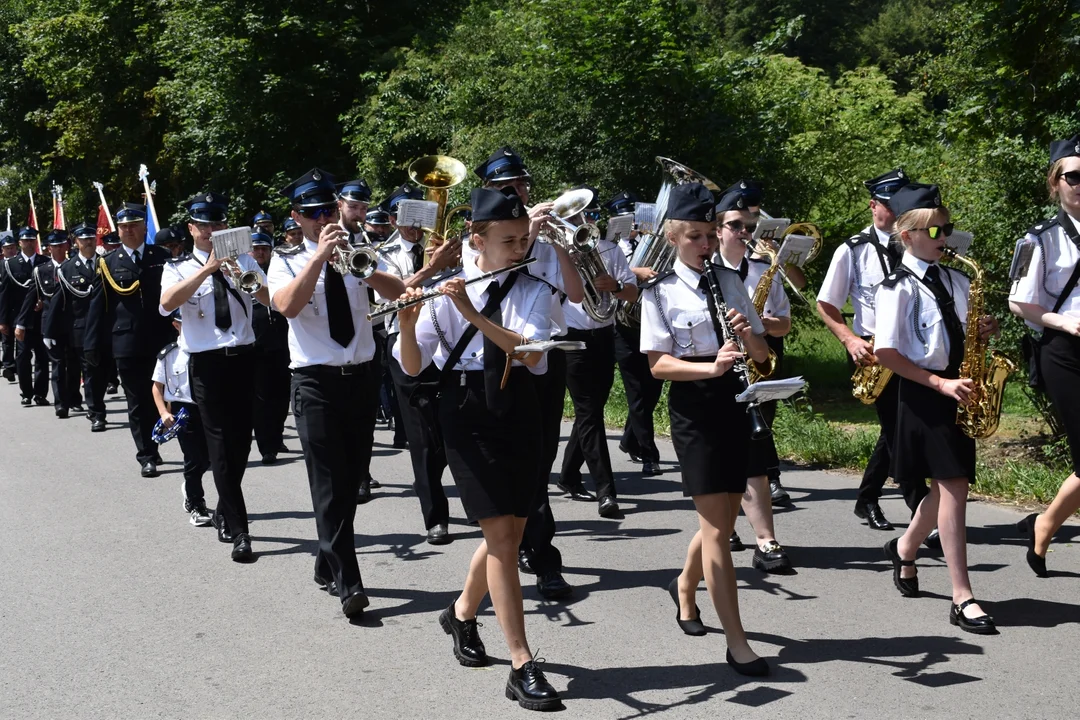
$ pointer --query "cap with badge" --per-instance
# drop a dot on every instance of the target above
(623, 203)
(1061, 149)
(915, 196)
(752, 192)
(207, 207)
(110, 239)
(8, 239)
(84, 231)
(315, 188)
(261, 238)
(28, 233)
(490, 205)
(261, 217)
(378, 216)
(57, 237)
(691, 201)
(403, 192)
(884, 186)
(357, 190)
(290, 224)
(167, 236)
(131, 213)
(732, 200)
(504, 164)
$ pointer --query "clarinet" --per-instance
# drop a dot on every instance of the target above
(759, 429)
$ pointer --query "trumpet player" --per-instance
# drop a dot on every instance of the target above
(331, 347)
(218, 335)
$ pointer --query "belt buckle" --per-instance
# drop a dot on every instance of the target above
(230, 351)
(347, 370)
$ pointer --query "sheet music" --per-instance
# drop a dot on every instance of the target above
(231, 243)
(771, 228)
(959, 241)
(796, 249)
(772, 390)
(1021, 261)
(645, 217)
(620, 227)
(417, 213)
(736, 298)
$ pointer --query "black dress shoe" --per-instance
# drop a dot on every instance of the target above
(269, 459)
(41, 402)
(282, 448)
(363, 493)
(908, 587)
(241, 549)
(634, 457)
(26, 402)
(149, 470)
(608, 508)
(330, 586)
(525, 562)
(874, 517)
(982, 625)
(771, 558)
(468, 647)
(223, 533)
(76, 408)
(736, 543)
(401, 444)
(933, 540)
(691, 627)
(1036, 562)
(62, 413)
(354, 603)
(778, 495)
(97, 426)
(576, 491)
(757, 668)
(552, 586)
(112, 388)
(649, 468)
(438, 535)
(373, 483)
(530, 689)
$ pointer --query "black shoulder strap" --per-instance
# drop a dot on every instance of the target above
(489, 309)
(1070, 229)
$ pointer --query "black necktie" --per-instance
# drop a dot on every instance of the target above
(494, 359)
(135, 257)
(417, 253)
(744, 269)
(222, 314)
(338, 314)
(714, 310)
(895, 251)
(953, 328)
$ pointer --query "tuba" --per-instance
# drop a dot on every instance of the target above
(581, 242)
(437, 174)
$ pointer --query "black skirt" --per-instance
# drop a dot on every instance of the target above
(492, 458)
(929, 444)
(711, 434)
(1059, 362)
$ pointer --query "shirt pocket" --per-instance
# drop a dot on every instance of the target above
(692, 327)
(928, 324)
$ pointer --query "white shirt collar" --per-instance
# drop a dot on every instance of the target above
(199, 254)
(687, 274)
(27, 258)
(915, 265)
(87, 260)
(131, 253)
(882, 235)
(1075, 222)
(309, 245)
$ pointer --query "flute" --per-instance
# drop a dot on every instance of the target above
(388, 308)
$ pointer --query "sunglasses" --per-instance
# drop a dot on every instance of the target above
(591, 215)
(936, 231)
(315, 213)
(1072, 177)
(739, 226)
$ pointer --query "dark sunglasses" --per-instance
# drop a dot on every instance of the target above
(319, 212)
(738, 226)
(1072, 177)
(936, 231)
(591, 215)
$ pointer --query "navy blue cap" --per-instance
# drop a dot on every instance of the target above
(260, 237)
(131, 213)
(167, 236)
(315, 188)
(84, 231)
(504, 164)
(884, 186)
(110, 238)
(404, 192)
(1060, 149)
(261, 216)
(28, 233)
(732, 200)
(623, 203)
(57, 237)
(378, 216)
(8, 240)
(752, 191)
(915, 196)
(691, 201)
(207, 207)
(357, 190)
(489, 205)
(290, 224)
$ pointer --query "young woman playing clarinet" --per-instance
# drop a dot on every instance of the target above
(1047, 298)
(687, 343)
(921, 310)
(489, 415)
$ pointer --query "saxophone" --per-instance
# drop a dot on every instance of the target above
(988, 372)
(761, 294)
(869, 381)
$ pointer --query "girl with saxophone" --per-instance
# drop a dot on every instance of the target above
(687, 342)
(490, 421)
(1047, 298)
(922, 315)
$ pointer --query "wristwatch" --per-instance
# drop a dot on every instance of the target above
(620, 288)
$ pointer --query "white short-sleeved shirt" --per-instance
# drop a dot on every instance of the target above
(198, 332)
(395, 258)
(617, 267)
(1052, 265)
(309, 332)
(525, 310)
(547, 269)
(909, 318)
(172, 372)
(856, 272)
(675, 316)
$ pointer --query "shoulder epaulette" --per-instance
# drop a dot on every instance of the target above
(182, 257)
(657, 279)
(164, 352)
(157, 250)
(893, 279)
(444, 275)
(860, 239)
(109, 254)
(1043, 226)
(958, 271)
(286, 250)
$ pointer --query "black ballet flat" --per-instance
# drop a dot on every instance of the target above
(757, 668)
(982, 625)
(1036, 562)
(908, 587)
(690, 627)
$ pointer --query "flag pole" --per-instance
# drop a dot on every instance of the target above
(101, 196)
(33, 212)
(144, 175)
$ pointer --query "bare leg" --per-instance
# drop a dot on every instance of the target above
(757, 504)
(689, 578)
(1066, 502)
(952, 523)
(502, 535)
(476, 585)
(923, 521)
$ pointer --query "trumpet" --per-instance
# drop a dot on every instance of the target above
(389, 308)
(359, 262)
(229, 245)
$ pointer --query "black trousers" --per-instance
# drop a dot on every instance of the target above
(93, 387)
(642, 394)
(32, 365)
(136, 378)
(7, 355)
(336, 437)
(65, 366)
(425, 446)
(196, 457)
(589, 376)
(223, 387)
(110, 373)
(374, 378)
(388, 390)
(540, 525)
(271, 399)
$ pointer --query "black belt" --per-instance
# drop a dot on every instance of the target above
(229, 351)
(333, 370)
(594, 331)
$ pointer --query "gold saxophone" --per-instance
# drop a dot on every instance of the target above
(988, 372)
(869, 381)
(756, 372)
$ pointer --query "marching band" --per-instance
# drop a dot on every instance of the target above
(468, 340)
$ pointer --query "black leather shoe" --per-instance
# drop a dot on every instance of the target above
(633, 456)
(757, 668)
(401, 444)
(9, 376)
(982, 625)
(223, 533)
(283, 448)
(908, 587)
(771, 558)
(1034, 561)
(241, 549)
(149, 470)
(468, 647)
(576, 491)
(363, 493)
(329, 586)
(77, 409)
(62, 413)
(778, 495)
(354, 603)
(525, 562)
(608, 508)
(41, 402)
(97, 426)
(530, 689)
(552, 586)
(874, 517)
(26, 402)
(650, 469)
(112, 388)
(736, 543)
(438, 535)
(269, 459)
(933, 540)
(690, 627)
(373, 483)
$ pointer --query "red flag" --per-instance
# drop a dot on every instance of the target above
(103, 227)
(58, 213)
(31, 219)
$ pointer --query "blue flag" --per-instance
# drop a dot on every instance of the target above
(151, 228)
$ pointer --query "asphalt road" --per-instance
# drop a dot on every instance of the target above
(113, 606)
